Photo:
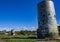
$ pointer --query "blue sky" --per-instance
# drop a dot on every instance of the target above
(22, 14)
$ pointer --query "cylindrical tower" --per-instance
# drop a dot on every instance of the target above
(47, 26)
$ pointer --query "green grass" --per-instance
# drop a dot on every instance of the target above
(16, 36)
(31, 40)
(21, 41)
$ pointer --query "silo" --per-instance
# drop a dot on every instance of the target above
(47, 25)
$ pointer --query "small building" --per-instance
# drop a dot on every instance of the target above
(12, 32)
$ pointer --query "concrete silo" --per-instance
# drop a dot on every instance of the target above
(47, 25)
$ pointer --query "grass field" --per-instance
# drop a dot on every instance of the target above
(32, 40)
(15, 37)
(21, 38)
(21, 41)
